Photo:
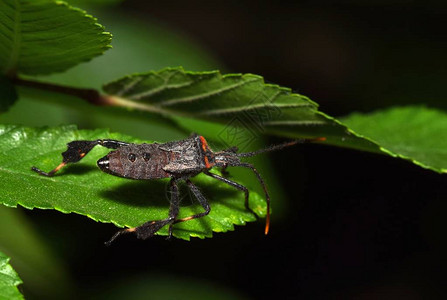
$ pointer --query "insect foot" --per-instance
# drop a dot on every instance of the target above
(144, 231)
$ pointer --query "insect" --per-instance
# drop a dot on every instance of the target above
(177, 160)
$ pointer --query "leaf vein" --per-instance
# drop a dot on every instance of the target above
(205, 95)
(251, 107)
(294, 122)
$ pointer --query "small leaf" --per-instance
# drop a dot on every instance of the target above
(44, 36)
(9, 280)
(238, 100)
(414, 133)
(82, 188)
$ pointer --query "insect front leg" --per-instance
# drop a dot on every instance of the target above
(223, 170)
(264, 187)
(76, 150)
(236, 185)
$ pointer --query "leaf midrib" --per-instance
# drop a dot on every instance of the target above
(201, 96)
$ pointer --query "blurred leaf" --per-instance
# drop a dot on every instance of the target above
(154, 46)
(9, 280)
(44, 36)
(8, 94)
(40, 268)
(85, 190)
(414, 133)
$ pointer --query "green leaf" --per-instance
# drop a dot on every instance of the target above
(44, 36)
(9, 280)
(238, 100)
(414, 133)
(8, 94)
(82, 188)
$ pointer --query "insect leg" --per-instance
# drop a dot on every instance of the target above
(175, 205)
(144, 231)
(264, 187)
(76, 150)
(202, 200)
(148, 229)
(224, 171)
(236, 185)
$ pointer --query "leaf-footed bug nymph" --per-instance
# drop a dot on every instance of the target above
(177, 160)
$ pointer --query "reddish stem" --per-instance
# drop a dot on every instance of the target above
(90, 95)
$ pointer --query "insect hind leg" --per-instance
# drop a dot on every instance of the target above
(76, 150)
(149, 229)
(144, 231)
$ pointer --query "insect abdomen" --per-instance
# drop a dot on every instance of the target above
(143, 161)
(152, 161)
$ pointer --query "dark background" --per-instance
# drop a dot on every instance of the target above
(356, 225)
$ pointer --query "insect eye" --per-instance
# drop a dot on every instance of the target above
(131, 157)
(146, 156)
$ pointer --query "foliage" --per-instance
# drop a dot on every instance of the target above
(415, 133)
(9, 280)
(236, 100)
(42, 37)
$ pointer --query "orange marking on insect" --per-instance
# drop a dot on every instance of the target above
(207, 163)
(267, 225)
(82, 155)
(204, 143)
(60, 166)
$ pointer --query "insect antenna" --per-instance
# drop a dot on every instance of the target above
(280, 146)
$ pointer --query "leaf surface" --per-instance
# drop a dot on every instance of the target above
(44, 36)
(237, 100)
(245, 101)
(82, 188)
(9, 280)
(414, 133)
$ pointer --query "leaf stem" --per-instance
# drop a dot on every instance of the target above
(90, 95)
